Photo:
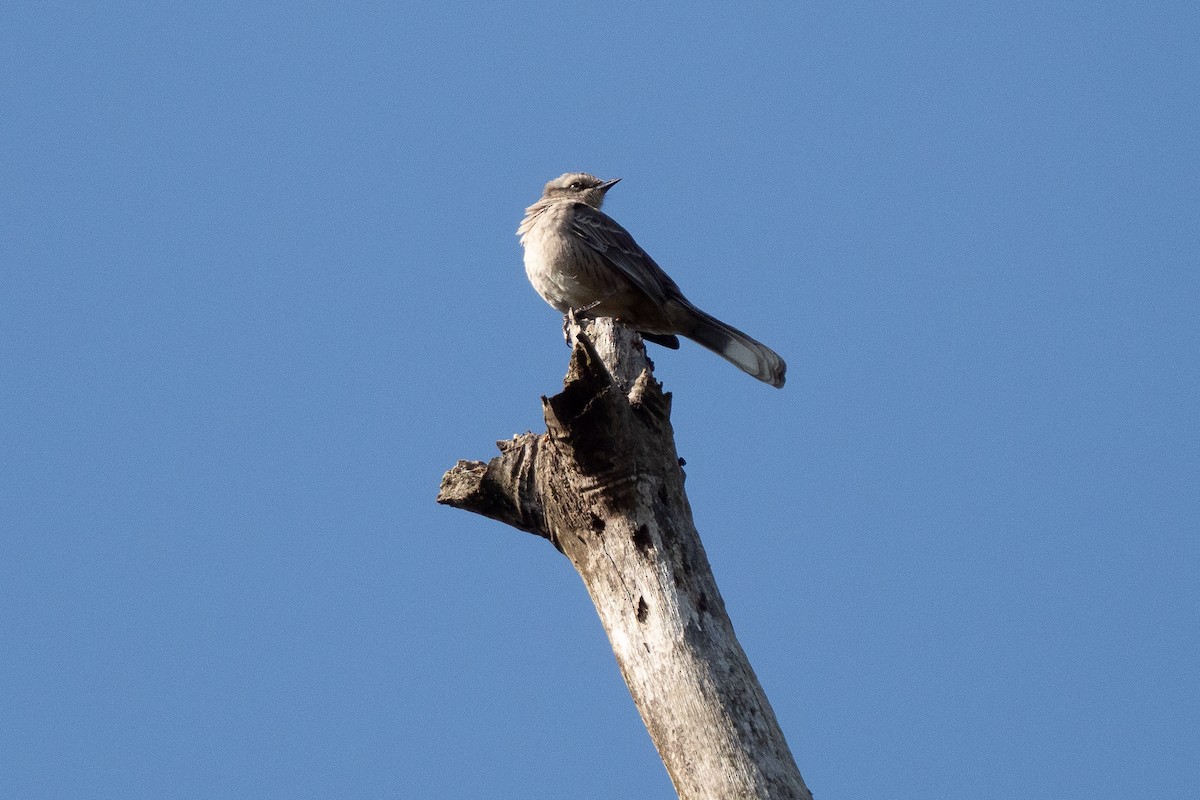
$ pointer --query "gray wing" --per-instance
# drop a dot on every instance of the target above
(606, 236)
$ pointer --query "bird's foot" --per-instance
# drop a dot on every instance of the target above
(568, 323)
(572, 320)
(575, 316)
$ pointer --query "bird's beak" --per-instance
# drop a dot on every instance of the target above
(606, 185)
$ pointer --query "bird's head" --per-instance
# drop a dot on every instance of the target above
(578, 186)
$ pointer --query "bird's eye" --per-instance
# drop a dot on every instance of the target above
(575, 186)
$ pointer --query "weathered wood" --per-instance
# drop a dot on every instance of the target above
(605, 485)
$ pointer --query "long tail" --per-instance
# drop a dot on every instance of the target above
(728, 342)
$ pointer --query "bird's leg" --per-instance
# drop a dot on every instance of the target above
(568, 321)
(574, 315)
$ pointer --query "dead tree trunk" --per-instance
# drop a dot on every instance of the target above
(604, 484)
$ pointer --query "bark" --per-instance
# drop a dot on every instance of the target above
(604, 484)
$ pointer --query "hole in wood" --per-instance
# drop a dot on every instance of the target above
(642, 541)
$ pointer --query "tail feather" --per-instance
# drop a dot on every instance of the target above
(667, 340)
(745, 353)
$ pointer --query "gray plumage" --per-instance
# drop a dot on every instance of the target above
(579, 258)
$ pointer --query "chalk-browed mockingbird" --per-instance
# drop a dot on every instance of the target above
(581, 260)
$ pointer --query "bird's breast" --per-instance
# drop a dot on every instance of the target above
(550, 269)
(549, 264)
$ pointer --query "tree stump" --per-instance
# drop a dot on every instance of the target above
(604, 484)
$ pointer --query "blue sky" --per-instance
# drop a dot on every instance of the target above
(259, 288)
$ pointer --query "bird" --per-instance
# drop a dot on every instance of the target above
(582, 262)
